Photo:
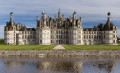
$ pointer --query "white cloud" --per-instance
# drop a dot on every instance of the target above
(84, 8)
(118, 32)
(89, 10)
(1, 31)
(68, 6)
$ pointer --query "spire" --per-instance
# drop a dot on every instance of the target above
(59, 14)
(74, 18)
(108, 21)
(74, 15)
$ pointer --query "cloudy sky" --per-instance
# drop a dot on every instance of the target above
(92, 12)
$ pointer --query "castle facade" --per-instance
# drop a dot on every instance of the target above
(59, 30)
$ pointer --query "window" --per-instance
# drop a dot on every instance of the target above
(57, 32)
(51, 36)
(22, 32)
(94, 32)
(23, 36)
(99, 36)
(79, 41)
(57, 36)
(64, 32)
(95, 36)
(89, 36)
(113, 36)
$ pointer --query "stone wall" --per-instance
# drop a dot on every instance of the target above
(58, 52)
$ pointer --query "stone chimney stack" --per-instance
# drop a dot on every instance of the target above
(37, 18)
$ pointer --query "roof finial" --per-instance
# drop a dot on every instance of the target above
(59, 9)
(43, 12)
(11, 18)
(109, 13)
(11, 13)
(75, 12)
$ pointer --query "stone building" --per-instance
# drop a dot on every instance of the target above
(60, 30)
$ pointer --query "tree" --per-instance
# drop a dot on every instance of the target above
(1, 41)
(118, 40)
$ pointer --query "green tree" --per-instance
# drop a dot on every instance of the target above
(1, 41)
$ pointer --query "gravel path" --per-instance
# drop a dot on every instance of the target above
(58, 47)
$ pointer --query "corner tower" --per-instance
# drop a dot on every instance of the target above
(9, 31)
(110, 32)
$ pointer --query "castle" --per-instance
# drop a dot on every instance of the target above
(60, 30)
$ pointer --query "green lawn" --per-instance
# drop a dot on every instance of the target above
(26, 47)
(118, 43)
(68, 47)
(92, 47)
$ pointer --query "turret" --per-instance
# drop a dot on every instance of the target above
(11, 19)
(59, 14)
(74, 18)
(44, 19)
(59, 18)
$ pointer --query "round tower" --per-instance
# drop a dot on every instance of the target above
(108, 31)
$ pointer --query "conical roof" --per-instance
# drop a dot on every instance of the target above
(109, 25)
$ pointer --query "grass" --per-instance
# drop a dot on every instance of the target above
(92, 47)
(68, 47)
(26, 47)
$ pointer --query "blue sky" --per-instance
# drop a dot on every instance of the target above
(92, 12)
